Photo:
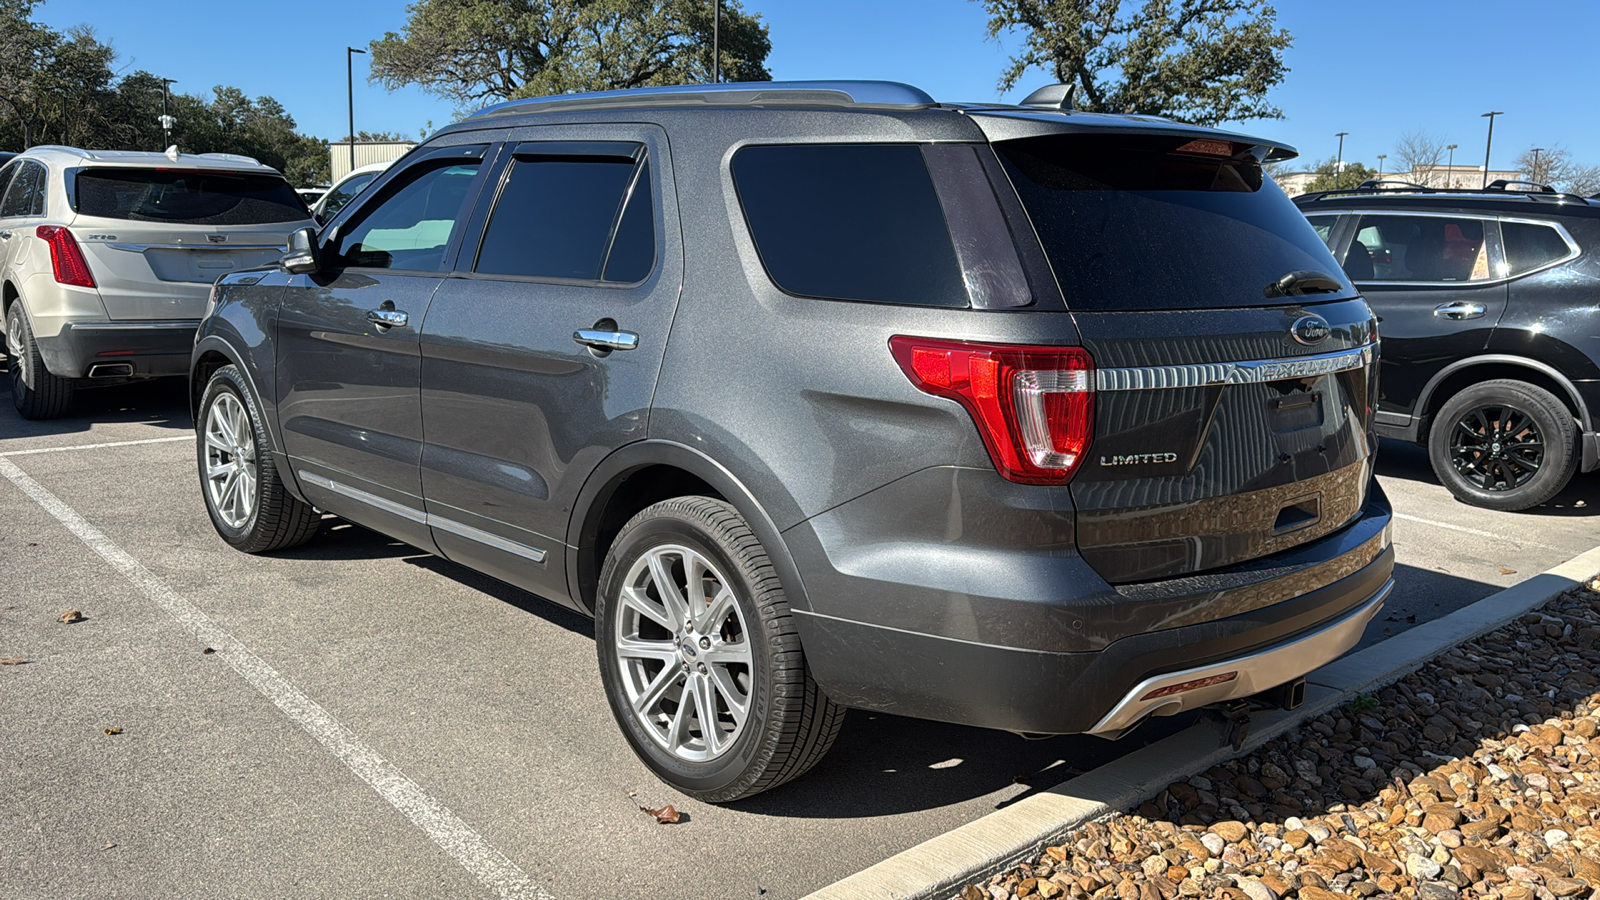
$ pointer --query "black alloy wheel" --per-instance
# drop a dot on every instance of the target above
(1496, 447)
(1504, 444)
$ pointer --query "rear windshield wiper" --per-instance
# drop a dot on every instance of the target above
(1308, 281)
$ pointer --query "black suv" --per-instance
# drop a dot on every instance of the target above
(826, 395)
(1489, 306)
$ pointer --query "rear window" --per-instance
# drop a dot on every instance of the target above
(849, 222)
(1130, 222)
(188, 196)
(1529, 246)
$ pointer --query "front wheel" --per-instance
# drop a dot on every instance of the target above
(1504, 444)
(248, 503)
(700, 657)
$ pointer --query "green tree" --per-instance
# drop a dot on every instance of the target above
(1330, 178)
(1202, 61)
(480, 51)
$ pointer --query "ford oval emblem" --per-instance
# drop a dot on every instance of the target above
(1310, 330)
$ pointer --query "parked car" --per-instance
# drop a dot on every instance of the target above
(1487, 301)
(335, 198)
(107, 257)
(1002, 415)
(310, 195)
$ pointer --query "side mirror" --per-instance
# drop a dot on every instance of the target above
(302, 256)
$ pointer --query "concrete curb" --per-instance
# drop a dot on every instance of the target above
(937, 868)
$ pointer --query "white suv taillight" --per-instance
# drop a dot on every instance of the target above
(1034, 406)
(66, 257)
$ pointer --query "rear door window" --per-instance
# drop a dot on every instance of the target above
(849, 222)
(1531, 246)
(1422, 248)
(573, 211)
(1158, 222)
(187, 196)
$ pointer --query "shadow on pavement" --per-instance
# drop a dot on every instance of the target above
(1399, 459)
(161, 402)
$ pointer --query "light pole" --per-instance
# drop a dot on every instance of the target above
(1338, 163)
(1534, 175)
(1450, 167)
(716, 41)
(166, 121)
(350, 94)
(1381, 158)
(1489, 144)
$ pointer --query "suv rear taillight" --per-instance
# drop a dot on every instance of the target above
(66, 257)
(1034, 406)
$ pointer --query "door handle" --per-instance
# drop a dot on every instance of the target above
(387, 318)
(1461, 309)
(606, 340)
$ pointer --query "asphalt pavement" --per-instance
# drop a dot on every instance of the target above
(377, 722)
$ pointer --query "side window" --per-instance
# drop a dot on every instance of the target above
(849, 222)
(25, 191)
(1529, 246)
(410, 227)
(584, 217)
(6, 175)
(1323, 226)
(1419, 248)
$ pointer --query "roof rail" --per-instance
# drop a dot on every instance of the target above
(1378, 184)
(860, 94)
(62, 148)
(1504, 184)
(1375, 187)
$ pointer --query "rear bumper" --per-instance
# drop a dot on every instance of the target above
(131, 348)
(1074, 654)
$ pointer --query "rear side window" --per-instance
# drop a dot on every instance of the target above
(1529, 246)
(583, 217)
(1422, 248)
(1323, 226)
(187, 196)
(1154, 222)
(849, 222)
(25, 195)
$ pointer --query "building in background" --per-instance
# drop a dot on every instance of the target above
(1295, 183)
(367, 152)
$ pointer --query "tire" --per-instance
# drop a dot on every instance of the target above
(788, 723)
(248, 503)
(1533, 459)
(36, 393)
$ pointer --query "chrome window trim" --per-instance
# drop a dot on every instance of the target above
(1145, 378)
(1497, 245)
(533, 554)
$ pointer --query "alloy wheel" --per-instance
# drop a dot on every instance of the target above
(16, 349)
(1496, 448)
(230, 460)
(683, 652)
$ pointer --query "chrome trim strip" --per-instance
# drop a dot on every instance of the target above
(1257, 671)
(190, 324)
(533, 554)
(1255, 372)
(140, 248)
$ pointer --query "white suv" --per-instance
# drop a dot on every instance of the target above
(107, 259)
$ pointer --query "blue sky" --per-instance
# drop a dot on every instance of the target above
(1374, 68)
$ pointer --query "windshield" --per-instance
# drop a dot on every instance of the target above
(1156, 222)
(188, 196)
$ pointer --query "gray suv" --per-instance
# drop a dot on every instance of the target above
(824, 395)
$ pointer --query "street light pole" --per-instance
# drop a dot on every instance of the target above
(1450, 167)
(166, 121)
(350, 94)
(1338, 163)
(1489, 144)
(1534, 175)
(1381, 158)
(716, 41)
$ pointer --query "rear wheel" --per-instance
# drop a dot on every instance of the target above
(1504, 444)
(248, 503)
(700, 657)
(36, 393)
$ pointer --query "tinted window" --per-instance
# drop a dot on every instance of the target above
(1530, 246)
(1323, 226)
(1142, 222)
(849, 222)
(190, 197)
(411, 226)
(557, 216)
(6, 174)
(342, 193)
(1420, 248)
(25, 195)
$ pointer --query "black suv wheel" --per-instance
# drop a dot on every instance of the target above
(1504, 445)
(700, 658)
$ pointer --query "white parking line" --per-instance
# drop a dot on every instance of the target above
(454, 836)
(165, 440)
(1465, 530)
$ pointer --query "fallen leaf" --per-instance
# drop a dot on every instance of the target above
(70, 616)
(666, 815)
(1506, 571)
(207, 650)
(113, 730)
(13, 662)
(108, 846)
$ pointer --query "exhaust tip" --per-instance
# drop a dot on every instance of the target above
(111, 370)
(1288, 695)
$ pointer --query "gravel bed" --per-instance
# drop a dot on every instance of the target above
(1478, 776)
